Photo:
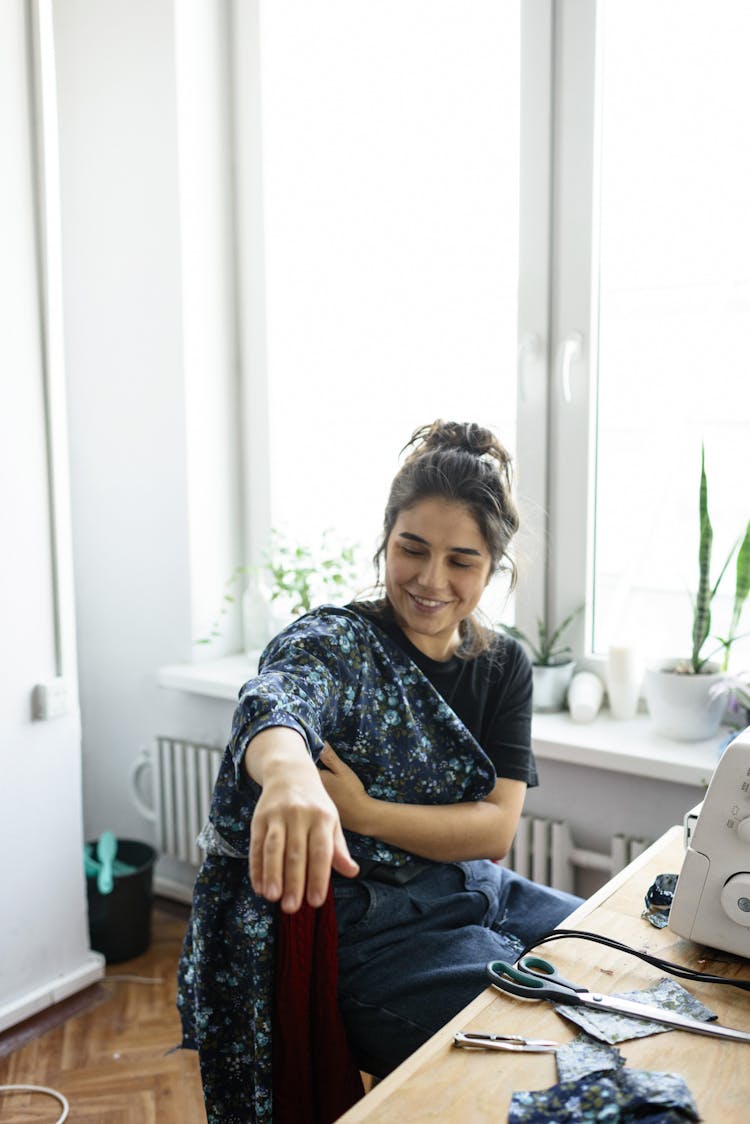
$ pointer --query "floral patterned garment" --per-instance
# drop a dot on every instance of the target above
(333, 676)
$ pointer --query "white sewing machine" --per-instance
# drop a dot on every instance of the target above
(712, 900)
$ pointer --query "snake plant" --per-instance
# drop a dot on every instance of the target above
(707, 592)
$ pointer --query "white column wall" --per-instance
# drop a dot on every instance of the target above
(149, 334)
(44, 948)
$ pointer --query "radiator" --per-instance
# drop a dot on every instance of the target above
(182, 779)
(183, 774)
(544, 850)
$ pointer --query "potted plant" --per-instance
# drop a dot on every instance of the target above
(552, 661)
(683, 696)
(293, 578)
(301, 577)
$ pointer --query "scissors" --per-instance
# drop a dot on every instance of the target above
(534, 978)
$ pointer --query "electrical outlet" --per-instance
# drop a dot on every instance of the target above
(50, 700)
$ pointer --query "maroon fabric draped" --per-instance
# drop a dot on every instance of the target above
(315, 1078)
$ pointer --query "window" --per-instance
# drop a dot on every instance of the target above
(593, 318)
(659, 265)
(390, 156)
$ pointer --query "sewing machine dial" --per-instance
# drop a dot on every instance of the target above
(735, 899)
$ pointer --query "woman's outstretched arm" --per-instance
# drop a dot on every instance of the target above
(296, 834)
(441, 832)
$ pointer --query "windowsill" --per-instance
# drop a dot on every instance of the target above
(630, 747)
(220, 679)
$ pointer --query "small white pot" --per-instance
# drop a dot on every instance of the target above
(551, 682)
(681, 706)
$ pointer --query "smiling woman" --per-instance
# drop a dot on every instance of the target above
(383, 755)
(448, 525)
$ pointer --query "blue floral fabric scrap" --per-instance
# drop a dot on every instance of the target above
(595, 1086)
(626, 1098)
(611, 1027)
(584, 1056)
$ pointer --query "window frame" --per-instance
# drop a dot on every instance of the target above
(556, 244)
(573, 321)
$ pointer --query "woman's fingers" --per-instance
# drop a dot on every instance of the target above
(320, 854)
(291, 855)
(294, 864)
(342, 861)
(329, 757)
(267, 847)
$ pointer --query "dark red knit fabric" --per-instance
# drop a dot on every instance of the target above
(315, 1078)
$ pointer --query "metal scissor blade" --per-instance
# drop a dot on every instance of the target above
(511, 1042)
(596, 1002)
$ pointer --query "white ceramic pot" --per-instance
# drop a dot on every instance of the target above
(681, 706)
(551, 682)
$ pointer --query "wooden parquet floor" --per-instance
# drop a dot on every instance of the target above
(107, 1049)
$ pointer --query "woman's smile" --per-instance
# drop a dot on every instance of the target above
(425, 604)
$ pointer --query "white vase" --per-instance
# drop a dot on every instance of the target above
(585, 695)
(551, 682)
(681, 706)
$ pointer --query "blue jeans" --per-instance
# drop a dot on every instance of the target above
(410, 957)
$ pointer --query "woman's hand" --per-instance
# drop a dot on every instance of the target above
(296, 835)
(346, 790)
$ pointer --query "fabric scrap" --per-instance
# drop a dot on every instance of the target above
(626, 1097)
(585, 1055)
(612, 1027)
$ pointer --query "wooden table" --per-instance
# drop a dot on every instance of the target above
(453, 1086)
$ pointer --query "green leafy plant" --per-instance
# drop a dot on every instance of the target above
(546, 650)
(297, 575)
(706, 591)
(307, 576)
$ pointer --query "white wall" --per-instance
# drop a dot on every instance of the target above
(44, 950)
(143, 349)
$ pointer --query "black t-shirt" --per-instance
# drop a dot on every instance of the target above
(491, 694)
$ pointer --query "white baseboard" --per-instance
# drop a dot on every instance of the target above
(169, 888)
(51, 992)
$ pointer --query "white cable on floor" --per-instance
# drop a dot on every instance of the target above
(40, 1089)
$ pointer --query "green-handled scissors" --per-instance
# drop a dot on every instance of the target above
(534, 978)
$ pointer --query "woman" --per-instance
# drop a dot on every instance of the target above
(388, 742)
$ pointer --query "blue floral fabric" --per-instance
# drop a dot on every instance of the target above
(595, 1086)
(333, 676)
(612, 1027)
(631, 1096)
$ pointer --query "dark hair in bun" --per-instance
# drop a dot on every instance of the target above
(464, 463)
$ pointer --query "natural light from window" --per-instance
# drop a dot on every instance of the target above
(674, 306)
(390, 172)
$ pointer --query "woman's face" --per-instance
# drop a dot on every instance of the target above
(436, 568)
